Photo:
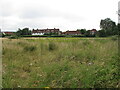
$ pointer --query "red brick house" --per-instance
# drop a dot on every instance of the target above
(63, 33)
(8, 33)
(71, 33)
(93, 31)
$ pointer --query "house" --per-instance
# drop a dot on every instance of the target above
(38, 32)
(45, 31)
(8, 33)
(71, 33)
(63, 33)
(93, 31)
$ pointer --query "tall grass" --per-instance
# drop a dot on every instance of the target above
(60, 63)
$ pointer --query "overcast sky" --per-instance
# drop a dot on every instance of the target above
(119, 12)
(62, 14)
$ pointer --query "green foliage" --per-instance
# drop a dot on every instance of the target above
(114, 38)
(108, 26)
(2, 35)
(24, 31)
(87, 34)
(51, 33)
(13, 37)
(83, 31)
(102, 33)
(118, 29)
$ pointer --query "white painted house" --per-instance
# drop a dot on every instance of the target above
(38, 32)
(44, 31)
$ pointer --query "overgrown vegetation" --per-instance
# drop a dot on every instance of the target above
(13, 37)
(29, 48)
(60, 63)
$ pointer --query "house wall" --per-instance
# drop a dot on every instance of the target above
(45, 31)
(37, 33)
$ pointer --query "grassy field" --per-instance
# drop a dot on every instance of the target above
(60, 63)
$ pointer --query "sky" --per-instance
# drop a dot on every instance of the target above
(62, 14)
(119, 12)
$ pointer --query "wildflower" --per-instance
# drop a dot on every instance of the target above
(65, 71)
(40, 75)
(31, 64)
(19, 86)
(90, 63)
(34, 85)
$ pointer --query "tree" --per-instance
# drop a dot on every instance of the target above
(83, 31)
(88, 33)
(118, 29)
(24, 31)
(108, 26)
(2, 34)
(101, 33)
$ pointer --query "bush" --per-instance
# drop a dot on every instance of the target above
(30, 48)
(13, 37)
(114, 38)
(86, 42)
(51, 46)
(2, 35)
(33, 35)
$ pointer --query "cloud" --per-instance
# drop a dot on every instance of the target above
(119, 12)
(31, 13)
(6, 8)
(63, 14)
(42, 12)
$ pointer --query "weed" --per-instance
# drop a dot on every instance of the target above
(114, 38)
(30, 48)
(52, 46)
(55, 63)
(86, 42)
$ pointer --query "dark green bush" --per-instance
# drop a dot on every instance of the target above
(34, 35)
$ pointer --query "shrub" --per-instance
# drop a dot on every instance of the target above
(3, 51)
(2, 35)
(114, 38)
(33, 35)
(21, 43)
(51, 46)
(86, 42)
(30, 48)
(13, 37)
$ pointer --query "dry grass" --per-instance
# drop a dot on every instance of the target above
(60, 63)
